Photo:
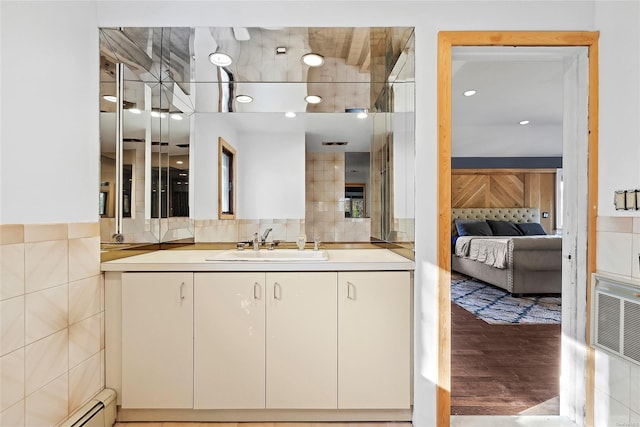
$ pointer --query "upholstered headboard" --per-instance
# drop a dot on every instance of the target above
(498, 214)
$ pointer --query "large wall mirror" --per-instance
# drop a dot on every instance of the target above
(325, 150)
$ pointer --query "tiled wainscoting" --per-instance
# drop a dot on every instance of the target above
(617, 382)
(52, 312)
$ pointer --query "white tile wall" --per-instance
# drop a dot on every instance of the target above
(52, 309)
(617, 382)
(609, 412)
(12, 317)
(46, 264)
(614, 252)
(635, 256)
(634, 390)
(49, 404)
(612, 377)
(13, 416)
(12, 272)
(46, 360)
(46, 312)
(12, 371)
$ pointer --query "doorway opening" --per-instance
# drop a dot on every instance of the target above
(580, 158)
(507, 109)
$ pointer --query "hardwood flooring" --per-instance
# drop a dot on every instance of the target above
(501, 369)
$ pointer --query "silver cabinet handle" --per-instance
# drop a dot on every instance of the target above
(256, 290)
(277, 291)
(351, 291)
(182, 290)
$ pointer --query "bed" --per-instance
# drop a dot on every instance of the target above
(518, 259)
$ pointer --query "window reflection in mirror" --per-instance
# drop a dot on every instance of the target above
(357, 181)
(226, 180)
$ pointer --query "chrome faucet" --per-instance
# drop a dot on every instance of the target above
(263, 238)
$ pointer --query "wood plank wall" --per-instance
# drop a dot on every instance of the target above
(506, 188)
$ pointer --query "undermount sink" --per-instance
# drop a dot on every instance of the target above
(276, 255)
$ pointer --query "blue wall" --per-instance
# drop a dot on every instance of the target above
(506, 162)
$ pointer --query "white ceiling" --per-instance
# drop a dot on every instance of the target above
(512, 84)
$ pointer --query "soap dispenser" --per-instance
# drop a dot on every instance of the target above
(256, 242)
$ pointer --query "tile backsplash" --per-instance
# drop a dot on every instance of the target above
(325, 195)
(324, 212)
(52, 309)
(618, 246)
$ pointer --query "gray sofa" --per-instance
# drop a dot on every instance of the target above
(533, 264)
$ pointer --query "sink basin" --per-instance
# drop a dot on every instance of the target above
(277, 255)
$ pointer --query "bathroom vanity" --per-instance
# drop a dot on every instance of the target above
(206, 335)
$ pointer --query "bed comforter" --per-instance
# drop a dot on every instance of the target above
(521, 265)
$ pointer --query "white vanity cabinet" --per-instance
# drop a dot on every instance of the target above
(258, 346)
(157, 340)
(211, 341)
(374, 340)
(229, 341)
(301, 340)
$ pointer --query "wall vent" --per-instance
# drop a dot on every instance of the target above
(616, 311)
(334, 142)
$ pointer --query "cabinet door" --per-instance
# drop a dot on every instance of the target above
(374, 340)
(157, 340)
(229, 341)
(301, 340)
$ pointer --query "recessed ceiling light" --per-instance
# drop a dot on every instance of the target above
(179, 162)
(313, 59)
(281, 50)
(110, 98)
(176, 116)
(313, 99)
(135, 110)
(524, 122)
(244, 99)
(290, 114)
(158, 114)
(220, 59)
(469, 92)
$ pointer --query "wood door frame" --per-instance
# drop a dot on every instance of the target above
(446, 40)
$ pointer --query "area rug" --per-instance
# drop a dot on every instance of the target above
(495, 306)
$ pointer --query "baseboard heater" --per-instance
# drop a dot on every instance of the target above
(98, 412)
(616, 313)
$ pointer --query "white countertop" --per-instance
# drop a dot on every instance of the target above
(196, 260)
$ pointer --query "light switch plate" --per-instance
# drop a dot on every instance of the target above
(631, 200)
(620, 200)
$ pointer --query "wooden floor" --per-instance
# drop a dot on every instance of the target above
(501, 369)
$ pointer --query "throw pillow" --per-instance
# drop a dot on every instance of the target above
(504, 228)
(531, 229)
(473, 228)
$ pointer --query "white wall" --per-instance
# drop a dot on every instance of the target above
(204, 159)
(49, 133)
(403, 164)
(619, 155)
(260, 193)
(49, 68)
(271, 175)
